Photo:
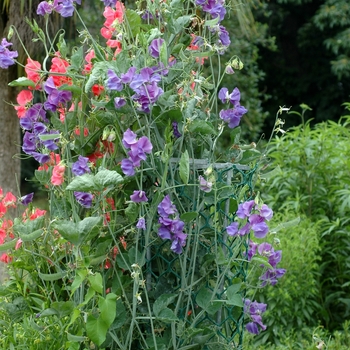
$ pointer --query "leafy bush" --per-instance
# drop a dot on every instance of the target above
(314, 179)
(293, 300)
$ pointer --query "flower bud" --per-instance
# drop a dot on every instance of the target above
(237, 64)
(229, 70)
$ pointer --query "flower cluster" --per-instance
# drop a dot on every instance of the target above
(114, 17)
(171, 227)
(64, 7)
(138, 150)
(271, 275)
(144, 84)
(254, 310)
(232, 116)
(7, 201)
(255, 217)
(6, 56)
(217, 10)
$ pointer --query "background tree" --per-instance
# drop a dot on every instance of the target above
(311, 64)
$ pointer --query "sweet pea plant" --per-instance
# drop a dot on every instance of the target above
(126, 130)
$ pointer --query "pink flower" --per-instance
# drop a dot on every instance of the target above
(32, 69)
(9, 200)
(5, 258)
(18, 244)
(59, 65)
(23, 98)
(57, 177)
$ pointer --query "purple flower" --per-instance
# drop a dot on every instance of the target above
(224, 37)
(29, 142)
(6, 56)
(171, 227)
(265, 249)
(252, 249)
(129, 138)
(119, 102)
(176, 132)
(154, 48)
(205, 185)
(244, 209)
(275, 258)
(234, 97)
(40, 157)
(166, 207)
(258, 225)
(84, 199)
(81, 166)
(28, 198)
(113, 81)
(109, 3)
(232, 229)
(141, 224)
(44, 8)
(138, 150)
(128, 77)
(232, 116)
(266, 212)
(51, 143)
(271, 276)
(254, 310)
(139, 196)
(65, 8)
(55, 97)
(127, 167)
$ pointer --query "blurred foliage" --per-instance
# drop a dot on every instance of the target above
(306, 339)
(293, 302)
(311, 63)
(313, 179)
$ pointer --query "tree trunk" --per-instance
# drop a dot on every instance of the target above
(10, 139)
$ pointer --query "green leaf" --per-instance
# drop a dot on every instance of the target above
(134, 21)
(105, 178)
(96, 282)
(108, 309)
(162, 302)
(63, 308)
(167, 315)
(96, 329)
(233, 297)
(83, 183)
(8, 245)
(204, 300)
(22, 81)
(52, 276)
(188, 217)
(132, 212)
(202, 127)
(77, 233)
(121, 316)
(184, 167)
(31, 236)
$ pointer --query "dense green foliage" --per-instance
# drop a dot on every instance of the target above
(313, 178)
(292, 302)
